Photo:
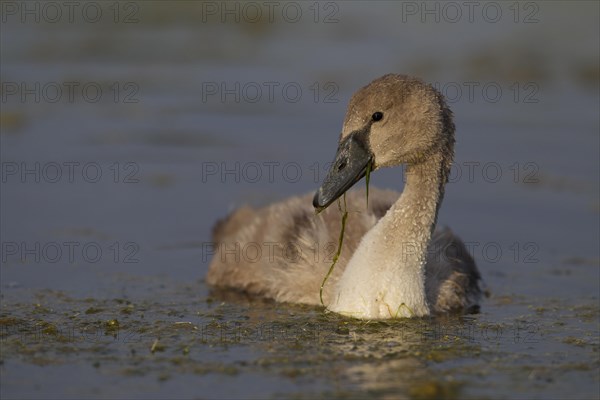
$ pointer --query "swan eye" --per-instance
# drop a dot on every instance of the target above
(377, 116)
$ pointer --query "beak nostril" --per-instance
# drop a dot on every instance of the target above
(342, 165)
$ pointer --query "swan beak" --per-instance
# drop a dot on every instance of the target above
(350, 166)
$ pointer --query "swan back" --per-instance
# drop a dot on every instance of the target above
(303, 244)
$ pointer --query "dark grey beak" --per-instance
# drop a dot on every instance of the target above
(350, 166)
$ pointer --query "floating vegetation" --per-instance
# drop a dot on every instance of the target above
(339, 249)
(111, 328)
(156, 346)
(367, 178)
(291, 342)
(343, 229)
(93, 310)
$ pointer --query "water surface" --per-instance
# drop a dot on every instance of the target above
(136, 320)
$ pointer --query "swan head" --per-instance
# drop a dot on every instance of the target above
(393, 120)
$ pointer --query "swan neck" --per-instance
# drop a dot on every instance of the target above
(386, 276)
(423, 193)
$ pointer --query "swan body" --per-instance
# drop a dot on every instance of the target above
(393, 263)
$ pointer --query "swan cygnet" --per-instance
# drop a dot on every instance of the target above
(392, 263)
